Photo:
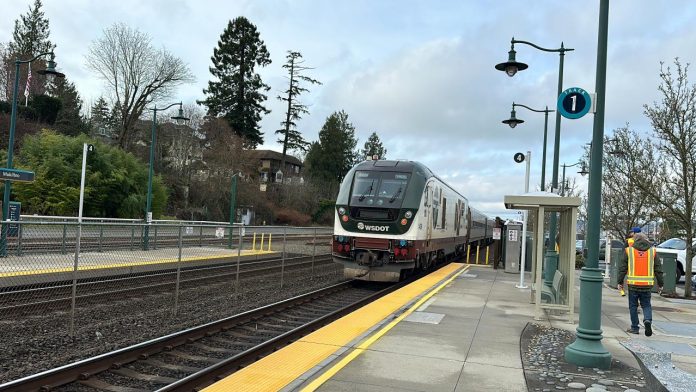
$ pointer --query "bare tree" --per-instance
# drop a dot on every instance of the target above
(624, 203)
(135, 72)
(673, 180)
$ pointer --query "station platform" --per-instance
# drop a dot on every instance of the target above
(123, 261)
(461, 328)
(457, 327)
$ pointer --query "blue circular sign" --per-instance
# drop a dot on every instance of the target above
(574, 103)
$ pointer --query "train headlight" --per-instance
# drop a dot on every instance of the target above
(408, 215)
(344, 218)
(341, 210)
(404, 222)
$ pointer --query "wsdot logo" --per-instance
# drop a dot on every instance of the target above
(362, 226)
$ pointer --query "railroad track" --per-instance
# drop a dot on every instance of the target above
(26, 246)
(57, 296)
(198, 356)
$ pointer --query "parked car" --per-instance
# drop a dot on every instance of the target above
(678, 246)
(579, 247)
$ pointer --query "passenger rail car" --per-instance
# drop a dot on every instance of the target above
(394, 216)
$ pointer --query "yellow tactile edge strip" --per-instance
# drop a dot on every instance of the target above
(282, 368)
(316, 383)
(122, 265)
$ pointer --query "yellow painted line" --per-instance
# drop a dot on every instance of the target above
(281, 368)
(367, 343)
(130, 264)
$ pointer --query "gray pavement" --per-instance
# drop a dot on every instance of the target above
(467, 338)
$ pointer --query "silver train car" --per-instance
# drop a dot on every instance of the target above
(393, 217)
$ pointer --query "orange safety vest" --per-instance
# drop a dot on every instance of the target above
(640, 267)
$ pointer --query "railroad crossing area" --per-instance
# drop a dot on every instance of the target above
(463, 328)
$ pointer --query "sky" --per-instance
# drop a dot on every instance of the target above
(418, 73)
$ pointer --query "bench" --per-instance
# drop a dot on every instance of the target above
(551, 293)
(660, 373)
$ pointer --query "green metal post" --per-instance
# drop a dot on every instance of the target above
(148, 206)
(233, 207)
(10, 153)
(587, 350)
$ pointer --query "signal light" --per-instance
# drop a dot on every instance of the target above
(344, 218)
(404, 222)
(347, 248)
(404, 251)
(340, 247)
(408, 214)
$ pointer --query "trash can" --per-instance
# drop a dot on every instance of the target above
(669, 268)
(616, 255)
(513, 245)
(530, 252)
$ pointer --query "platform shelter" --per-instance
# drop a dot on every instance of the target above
(553, 277)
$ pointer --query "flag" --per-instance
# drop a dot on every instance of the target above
(26, 89)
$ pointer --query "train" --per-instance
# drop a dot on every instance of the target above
(393, 217)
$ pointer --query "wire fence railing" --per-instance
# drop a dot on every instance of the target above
(66, 268)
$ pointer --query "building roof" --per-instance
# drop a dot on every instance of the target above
(273, 155)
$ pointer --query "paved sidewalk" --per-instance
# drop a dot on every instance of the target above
(467, 337)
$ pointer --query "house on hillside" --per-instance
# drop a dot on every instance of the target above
(268, 167)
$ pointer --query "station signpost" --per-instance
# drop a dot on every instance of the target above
(14, 208)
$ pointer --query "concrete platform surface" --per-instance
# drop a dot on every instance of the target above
(467, 338)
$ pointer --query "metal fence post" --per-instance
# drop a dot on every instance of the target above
(239, 256)
(200, 237)
(314, 248)
(19, 238)
(178, 272)
(74, 282)
(282, 262)
(101, 234)
(155, 243)
(65, 233)
(132, 237)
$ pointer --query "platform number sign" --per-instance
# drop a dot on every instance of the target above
(574, 103)
(519, 157)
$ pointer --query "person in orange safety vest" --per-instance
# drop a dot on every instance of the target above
(632, 233)
(641, 271)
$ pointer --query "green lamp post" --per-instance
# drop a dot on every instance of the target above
(511, 67)
(180, 119)
(513, 121)
(51, 72)
(583, 171)
(587, 349)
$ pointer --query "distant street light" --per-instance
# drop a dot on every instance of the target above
(50, 72)
(514, 121)
(583, 169)
(180, 119)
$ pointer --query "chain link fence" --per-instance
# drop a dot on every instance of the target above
(73, 271)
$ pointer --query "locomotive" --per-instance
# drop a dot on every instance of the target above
(392, 217)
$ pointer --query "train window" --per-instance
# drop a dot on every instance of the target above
(393, 186)
(444, 211)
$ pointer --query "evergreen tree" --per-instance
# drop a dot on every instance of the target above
(236, 92)
(373, 146)
(334, 154)
(291, 138)
(30, 38)
(69, 120)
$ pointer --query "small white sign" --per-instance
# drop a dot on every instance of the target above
(219, 232)
(496, 233)
(243, 231)
(512, 235)
(149, 217)
(189, 230)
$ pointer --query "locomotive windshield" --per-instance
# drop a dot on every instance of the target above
(379, 189)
